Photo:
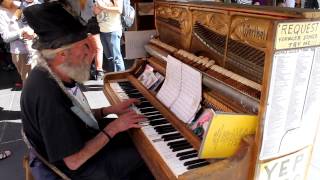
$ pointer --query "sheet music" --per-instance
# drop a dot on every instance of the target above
(181, 91)
(186, 105)
(170, 89)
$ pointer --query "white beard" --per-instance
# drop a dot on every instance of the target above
(79, 73)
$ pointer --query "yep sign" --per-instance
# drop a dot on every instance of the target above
(290, 167)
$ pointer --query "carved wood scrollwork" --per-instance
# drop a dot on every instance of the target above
(216, 22)
(253, 31)
(180, 14)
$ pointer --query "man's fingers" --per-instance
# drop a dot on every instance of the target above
(129, 112)
(135, 126)
(133, 101)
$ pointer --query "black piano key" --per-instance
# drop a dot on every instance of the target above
(176, 142)
(151, 113)
(155, 123)
(155, 117)
(167, 127)
(186, 152)
(129, 93)
(127, 83)
(162, 127)
(166, 131)
(155, 120)
(133, 91)
(188, 156)
(179, 144)
(147, 110)
(128, 90)
(182, 147)
(135, 95)
(174, 134)
(144, 104)
(172, 138)
(198, 165)
(196, 161)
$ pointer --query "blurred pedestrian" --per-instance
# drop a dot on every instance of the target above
(11, 30)
(109, 19)
(311, 4)
(83, 10)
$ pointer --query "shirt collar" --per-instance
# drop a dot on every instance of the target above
(71, 84)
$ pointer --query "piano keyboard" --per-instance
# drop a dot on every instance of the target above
(173, 148)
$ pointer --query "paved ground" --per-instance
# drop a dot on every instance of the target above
(10, 125)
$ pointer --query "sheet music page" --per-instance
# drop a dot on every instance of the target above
(170, 89)
(186, 105)
(293, 95)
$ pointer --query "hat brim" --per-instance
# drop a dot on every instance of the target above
(57, 43)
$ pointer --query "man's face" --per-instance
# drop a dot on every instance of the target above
(78, 60)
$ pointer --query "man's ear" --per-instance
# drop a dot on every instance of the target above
(60, 57)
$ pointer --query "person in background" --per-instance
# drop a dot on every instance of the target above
(83, 9)
(109, 18)
(259, 2)
(5, 56)
(281, 3)
(11, 31)
(30, 35)
(311, 4)
(289, 3)
(247, 2)
(56, 117)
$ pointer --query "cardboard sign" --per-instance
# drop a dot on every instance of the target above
(291, 167)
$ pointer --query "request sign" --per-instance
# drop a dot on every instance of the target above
(297, 34)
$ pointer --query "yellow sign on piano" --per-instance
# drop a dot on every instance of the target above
(293, 166)
(297, 34)
(224, 134)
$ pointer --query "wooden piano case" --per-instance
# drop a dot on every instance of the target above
(237, 38)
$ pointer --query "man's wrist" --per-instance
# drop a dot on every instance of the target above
(109, 131)
(106, 134)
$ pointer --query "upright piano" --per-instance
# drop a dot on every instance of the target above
(231, 46)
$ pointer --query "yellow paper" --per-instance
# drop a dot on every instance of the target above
(225, 133)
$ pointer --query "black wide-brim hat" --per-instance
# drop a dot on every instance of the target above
(54, 26)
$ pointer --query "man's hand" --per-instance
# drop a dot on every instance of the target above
(122, 107)
(124, 122)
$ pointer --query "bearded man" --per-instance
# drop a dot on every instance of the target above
(56, 117)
